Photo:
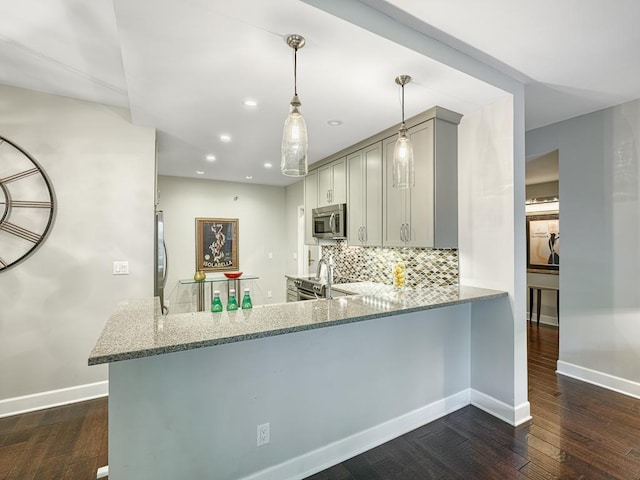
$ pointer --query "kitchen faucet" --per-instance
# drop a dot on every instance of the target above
(327, 260)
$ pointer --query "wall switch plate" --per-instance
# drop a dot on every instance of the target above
(121, 268)
(264, 434)
(270, 255)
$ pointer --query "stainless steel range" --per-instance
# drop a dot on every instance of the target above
(311, 288)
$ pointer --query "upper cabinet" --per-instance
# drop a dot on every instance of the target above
(364, 207)
(425, 215)
(332, 183)
(310, 202)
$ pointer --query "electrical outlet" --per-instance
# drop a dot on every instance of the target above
(270, 255)
(269, 294)
(264, 434)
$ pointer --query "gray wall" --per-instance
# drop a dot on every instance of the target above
(491, 239)
(546, 189)
(54, 305)
(600, 218)
(261, 225)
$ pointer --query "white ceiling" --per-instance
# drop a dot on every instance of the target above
(185, 67)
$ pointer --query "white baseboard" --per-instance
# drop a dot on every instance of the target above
(601, 379)
(546, 319)
(512, 415)
(53, 398)
(341, 450)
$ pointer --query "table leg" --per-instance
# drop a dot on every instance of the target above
(539, 304)
(530, 303)
(558, 305)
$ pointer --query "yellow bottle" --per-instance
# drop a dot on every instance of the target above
(399, 275)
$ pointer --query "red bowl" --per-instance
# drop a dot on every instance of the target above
(233, 274)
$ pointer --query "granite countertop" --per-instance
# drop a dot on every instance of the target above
(137, 329)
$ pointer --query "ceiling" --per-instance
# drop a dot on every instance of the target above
(186, 66)
(542, 168)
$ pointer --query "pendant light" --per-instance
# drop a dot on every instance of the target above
(403, 168)
(293, 162)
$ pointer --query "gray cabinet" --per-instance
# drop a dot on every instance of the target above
(310, 202)
(332, 183)
(427, 214)
(364, 195)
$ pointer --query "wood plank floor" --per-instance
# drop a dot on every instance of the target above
(578, 431)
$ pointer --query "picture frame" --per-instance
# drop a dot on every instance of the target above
(217, 244)
(543, 242)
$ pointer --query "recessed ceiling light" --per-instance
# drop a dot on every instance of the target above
(334, 123)
(210, 158)
(225, 137)
(267, 165)
(199, 172)
(250, 103)
(248, 177)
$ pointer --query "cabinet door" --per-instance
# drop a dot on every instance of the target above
(356, 196)
(394, 206)
(338, 181)
(324, 185)
(372, 171)
(420, 217)
(332, 183)
(310, 202)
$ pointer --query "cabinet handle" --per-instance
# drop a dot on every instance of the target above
(327, 196)
(402, 232)
(364, 234)
(408, 232)
(360, 233)
(331, 195)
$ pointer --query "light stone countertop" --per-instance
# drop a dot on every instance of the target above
(136, 329)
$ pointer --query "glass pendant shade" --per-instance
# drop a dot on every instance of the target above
(293, 161)
(403, 170)
(403, 164)
(293, 151)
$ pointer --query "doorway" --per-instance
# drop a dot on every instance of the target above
(542, 183)
(308, 255)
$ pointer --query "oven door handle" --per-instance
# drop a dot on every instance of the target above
(332, 222)
(306, 296)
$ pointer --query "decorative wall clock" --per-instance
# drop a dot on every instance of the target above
(27, 204)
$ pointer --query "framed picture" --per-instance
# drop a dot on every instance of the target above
(217, 244)
(543, 242)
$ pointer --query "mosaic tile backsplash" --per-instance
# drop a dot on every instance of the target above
(424, 267)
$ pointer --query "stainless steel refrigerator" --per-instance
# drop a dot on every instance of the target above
(160, 255)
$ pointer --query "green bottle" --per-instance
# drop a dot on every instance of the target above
(232, 303)
(216, 304)
(246, 300)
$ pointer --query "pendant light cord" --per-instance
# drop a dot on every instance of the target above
(295, 71)
(403, 104)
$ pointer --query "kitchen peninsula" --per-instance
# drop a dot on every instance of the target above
(332, 378)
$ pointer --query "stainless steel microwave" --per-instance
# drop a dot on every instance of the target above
(330, 221)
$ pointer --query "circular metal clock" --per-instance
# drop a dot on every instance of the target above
(27, 204)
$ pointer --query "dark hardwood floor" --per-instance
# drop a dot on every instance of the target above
(62, 443)
(579, 431)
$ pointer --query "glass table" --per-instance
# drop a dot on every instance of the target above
(189, 295)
